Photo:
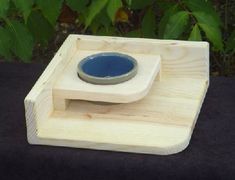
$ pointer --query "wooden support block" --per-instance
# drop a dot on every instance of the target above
(60, 103)
(69, 86)
(59, 110)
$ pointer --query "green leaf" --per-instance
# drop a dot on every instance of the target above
(5, 43)
(128, 2)
(23, 41)
(165, 19)
(211, 28)
(195, 34)
(203, 6)
(77, 5)
(106, 32)
(135, 33)
(148, 25)
(25, 7)
(112, 8)
(37, 21)
(230, 45)
(4, 6)
(176, 25)
(100, 21)
(213, 34)
(95, 7)
(50, 9)
(165, 5)
(204, 18)
(140, 4)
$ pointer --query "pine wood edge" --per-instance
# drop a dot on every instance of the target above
(42, 90)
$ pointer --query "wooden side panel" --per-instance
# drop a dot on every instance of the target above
(179, 58)
(39, 101)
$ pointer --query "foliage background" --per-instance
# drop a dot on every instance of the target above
(34, 29)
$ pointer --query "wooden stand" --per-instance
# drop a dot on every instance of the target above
(159, 107)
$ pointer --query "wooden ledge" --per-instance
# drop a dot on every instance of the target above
(69, 87)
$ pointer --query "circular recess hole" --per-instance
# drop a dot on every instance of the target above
(107, 68)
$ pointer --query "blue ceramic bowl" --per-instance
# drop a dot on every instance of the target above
(107, 68)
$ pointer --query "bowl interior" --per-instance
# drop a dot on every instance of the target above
(107, 65)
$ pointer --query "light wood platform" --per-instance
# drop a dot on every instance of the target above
(68, 86)
(160, 123)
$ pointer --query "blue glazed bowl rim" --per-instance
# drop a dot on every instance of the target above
(107, 80)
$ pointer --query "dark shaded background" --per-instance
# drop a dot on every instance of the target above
(210, 155)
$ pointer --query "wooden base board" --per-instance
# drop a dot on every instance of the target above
(161, 123)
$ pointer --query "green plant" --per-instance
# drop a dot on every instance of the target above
(24, 23)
